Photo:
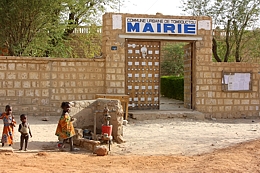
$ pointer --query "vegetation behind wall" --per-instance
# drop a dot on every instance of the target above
(172, 87)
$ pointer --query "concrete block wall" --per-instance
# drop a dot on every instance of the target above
(37, 86)
(216, 103)
(205, 83)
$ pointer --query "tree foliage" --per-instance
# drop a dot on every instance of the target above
(173, 63)
(197, 7)
(233, 17)
(78, 12)
(87, 45)
(44, 27)
(21, 22)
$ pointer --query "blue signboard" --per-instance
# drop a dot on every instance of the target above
(161, 26)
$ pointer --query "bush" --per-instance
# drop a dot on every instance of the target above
(172, 87)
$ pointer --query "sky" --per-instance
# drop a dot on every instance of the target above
(166, 7)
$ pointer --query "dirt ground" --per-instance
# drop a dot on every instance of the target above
(164, 145)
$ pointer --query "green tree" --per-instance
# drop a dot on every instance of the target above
(87, 45)
(21, 22)
(234, 16)
(197, 7)
(173, 63)
(250, 46)
(78, 12)
(44, 27)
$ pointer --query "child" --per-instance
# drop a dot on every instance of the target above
(65, 129)
(25, 131)
(9, 124)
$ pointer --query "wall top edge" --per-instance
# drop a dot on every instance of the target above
(14, 58)
(236, 63)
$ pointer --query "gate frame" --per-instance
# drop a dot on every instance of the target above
(114, 35)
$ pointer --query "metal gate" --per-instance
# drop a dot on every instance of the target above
(143, 74)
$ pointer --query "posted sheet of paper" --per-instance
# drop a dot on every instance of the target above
(117, 22)
(204, 24)
(238, 81)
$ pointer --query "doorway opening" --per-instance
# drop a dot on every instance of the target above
(176, 68)
(146, 62)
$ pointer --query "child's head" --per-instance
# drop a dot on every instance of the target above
(8, 109)
(65, 106)
(23, 118)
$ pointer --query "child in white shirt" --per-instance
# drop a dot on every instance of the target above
(25, 131)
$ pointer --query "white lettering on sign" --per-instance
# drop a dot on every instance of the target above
(161, 26)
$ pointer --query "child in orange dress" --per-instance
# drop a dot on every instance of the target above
(65, 129)
(9, 124)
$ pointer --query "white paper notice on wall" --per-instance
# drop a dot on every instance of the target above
(117, 21)
(204, 24)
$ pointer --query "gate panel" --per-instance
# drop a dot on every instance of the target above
(143, 74)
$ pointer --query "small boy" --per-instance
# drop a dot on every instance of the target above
(25, 131)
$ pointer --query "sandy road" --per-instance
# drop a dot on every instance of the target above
(157, 137)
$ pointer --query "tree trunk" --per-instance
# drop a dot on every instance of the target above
(69, 30)
(227, 42)
(214, 50)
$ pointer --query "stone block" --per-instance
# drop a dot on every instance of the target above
(101, 150)
(79, 133)
(11, 66)
(89, 144)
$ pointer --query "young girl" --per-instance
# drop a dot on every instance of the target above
(25, 131)
(65, 129)
(9, 124)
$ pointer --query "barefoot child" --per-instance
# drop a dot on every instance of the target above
(9, 124)
(65, 129)
(25, 131)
